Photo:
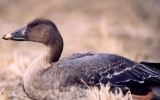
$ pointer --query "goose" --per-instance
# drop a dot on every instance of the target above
(49, 71)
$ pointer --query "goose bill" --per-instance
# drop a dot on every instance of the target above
(18, 35)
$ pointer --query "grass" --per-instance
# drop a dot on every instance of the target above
(104, 94)
(3, 94)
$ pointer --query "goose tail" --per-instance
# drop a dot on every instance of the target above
(151, 64)
(155, 88)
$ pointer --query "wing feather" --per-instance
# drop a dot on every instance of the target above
(94, 69)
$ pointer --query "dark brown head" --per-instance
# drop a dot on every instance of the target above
(39, 30)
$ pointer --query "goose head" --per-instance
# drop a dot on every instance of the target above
(38, 30)
(42, 31)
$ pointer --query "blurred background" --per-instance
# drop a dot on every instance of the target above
(130, 28)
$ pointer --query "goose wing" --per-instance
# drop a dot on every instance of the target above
(103, 68)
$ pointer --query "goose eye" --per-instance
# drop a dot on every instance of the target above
(33, 24)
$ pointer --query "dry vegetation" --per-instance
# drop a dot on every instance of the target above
(104, 94)
(126, 27)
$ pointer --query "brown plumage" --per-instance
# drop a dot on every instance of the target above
(47, 72)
